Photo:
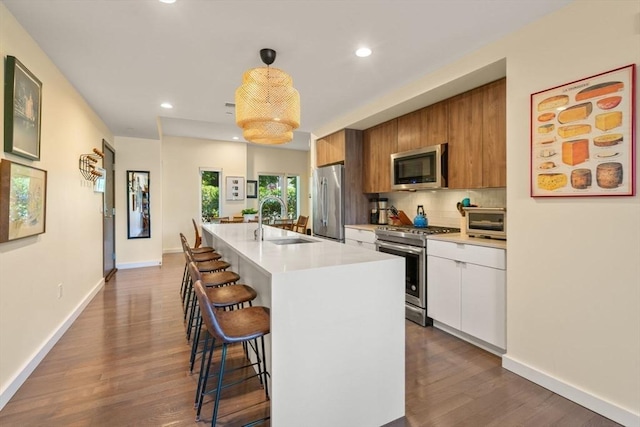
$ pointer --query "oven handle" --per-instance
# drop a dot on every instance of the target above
(410, 249)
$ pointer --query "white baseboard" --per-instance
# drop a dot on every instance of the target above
(575, 394)
(172, 250)
(127, 265)
(14, 384)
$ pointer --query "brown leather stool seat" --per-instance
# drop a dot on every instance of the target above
(219, 278)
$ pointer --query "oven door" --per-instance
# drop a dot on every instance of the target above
(415, 269)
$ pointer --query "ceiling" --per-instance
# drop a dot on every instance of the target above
(127, 56)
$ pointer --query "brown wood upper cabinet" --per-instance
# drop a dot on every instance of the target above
(477, 137)
(330, 149)
(422, 128)
(379, 142)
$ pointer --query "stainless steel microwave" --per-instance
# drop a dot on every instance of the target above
(420, 169)
(486, 222)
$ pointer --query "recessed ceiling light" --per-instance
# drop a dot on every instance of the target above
(236, 138)
(167, 1)
(166, 105)
(363, 52)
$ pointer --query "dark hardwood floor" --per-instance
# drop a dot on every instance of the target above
(124, 362)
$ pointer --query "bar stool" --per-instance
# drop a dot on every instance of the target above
(246, 325)
(220, 296)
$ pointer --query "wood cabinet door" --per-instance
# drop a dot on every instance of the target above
(321, 152)
(335, 147)
(465, 140)
(379, 143)
(435, 124)
(494, 134)
(410, 131)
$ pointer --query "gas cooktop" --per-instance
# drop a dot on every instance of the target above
(432, 229)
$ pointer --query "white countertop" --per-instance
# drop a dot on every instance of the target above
(275, 259)
(478, 241)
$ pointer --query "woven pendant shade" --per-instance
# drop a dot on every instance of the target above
(267, 106)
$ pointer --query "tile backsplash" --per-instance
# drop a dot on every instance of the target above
(440, 205)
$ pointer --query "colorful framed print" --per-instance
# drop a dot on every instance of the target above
(583, 137)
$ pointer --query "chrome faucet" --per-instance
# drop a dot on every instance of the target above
(259, 234)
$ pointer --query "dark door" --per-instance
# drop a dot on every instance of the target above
(109, 217)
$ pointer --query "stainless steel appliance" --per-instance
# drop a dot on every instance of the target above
(419, 169)
(486, 222)
(411, 244)
(328, 202)
(383, 213)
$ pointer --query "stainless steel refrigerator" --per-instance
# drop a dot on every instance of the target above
(328, 202)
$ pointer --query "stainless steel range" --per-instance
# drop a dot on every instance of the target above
(411, 244)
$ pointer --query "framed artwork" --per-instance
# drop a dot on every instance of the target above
(252, 189)
(235, 188)
(23, 200)
(583, 137)
(22, 110)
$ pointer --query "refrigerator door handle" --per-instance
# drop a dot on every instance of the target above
(325, 202)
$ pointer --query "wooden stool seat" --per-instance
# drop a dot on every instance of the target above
(210, 266)
(207, 256)
(226, 296)
(202, 250)
(243, 325)
(218, 278)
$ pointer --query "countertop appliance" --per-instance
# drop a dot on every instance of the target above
(411, 244)
(328, 202)
(423, 168)
(383, 213)
(486, 222)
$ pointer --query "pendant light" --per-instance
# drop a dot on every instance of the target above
(267, 104)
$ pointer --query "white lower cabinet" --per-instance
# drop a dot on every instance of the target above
(359, 237)
(466, 289)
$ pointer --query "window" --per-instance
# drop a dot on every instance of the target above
(272, 185)
(209, 194)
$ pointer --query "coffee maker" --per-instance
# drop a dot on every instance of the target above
(382, 211)
(373, 211)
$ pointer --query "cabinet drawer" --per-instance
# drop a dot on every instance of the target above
(365, 236)
(480, 255)
(360, 244)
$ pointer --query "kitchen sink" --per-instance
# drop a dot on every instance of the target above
(290, 241)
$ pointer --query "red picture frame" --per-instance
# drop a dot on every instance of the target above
(583, 137)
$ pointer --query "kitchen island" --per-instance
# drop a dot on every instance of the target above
(336, 348)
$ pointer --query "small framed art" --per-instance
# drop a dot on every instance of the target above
(252, 189)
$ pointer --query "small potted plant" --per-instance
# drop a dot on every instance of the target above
(249, 214)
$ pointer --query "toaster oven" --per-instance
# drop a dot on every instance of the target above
(486, 222)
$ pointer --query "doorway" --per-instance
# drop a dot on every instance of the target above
(108, 211)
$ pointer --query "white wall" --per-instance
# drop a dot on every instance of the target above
(272, 160)
(573, 270)
(182, 159)
(32, 317)
(141, 155)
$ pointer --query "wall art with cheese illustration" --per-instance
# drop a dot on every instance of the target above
(583, 137)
